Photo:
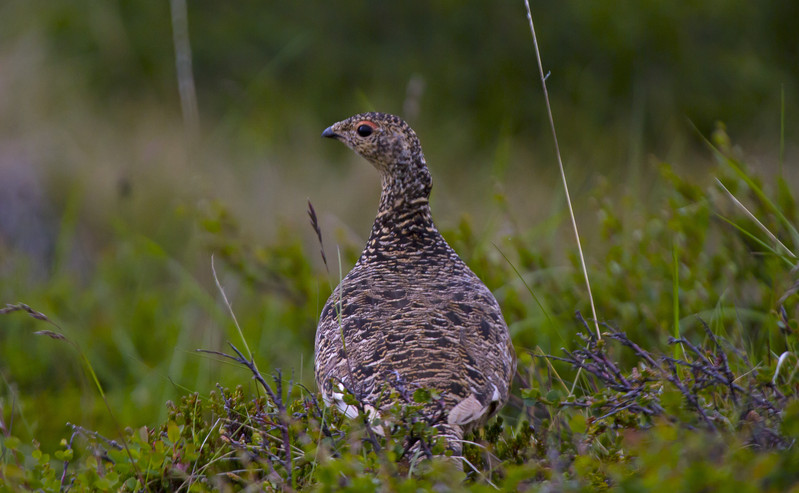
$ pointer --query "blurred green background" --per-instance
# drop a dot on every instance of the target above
(111, 205)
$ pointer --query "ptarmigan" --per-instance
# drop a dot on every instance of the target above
(410, 310)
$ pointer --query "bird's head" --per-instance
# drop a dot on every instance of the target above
(384, 140)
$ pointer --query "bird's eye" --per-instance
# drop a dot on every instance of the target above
(365, 130)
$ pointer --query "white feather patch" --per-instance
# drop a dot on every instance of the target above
(466, 411)
(350, 411)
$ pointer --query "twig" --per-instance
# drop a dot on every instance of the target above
(275, 395)
(689, 396)
(66, 461)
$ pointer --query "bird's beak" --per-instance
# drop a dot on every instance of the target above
(329, 133)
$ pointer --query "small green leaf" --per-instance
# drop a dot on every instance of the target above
(790, 420)
(672, 401)
(173, 431)
(532, 394)
(553, 396)
(421, 396)
(578, 423)
(64, 454)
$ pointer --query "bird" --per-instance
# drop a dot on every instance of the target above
(410, 310)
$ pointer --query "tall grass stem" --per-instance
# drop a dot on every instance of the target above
(560, 165)
(781, 158)
(232, 314)
(188, 94)
(755, 219)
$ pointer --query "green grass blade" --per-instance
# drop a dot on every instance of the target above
(757, 240)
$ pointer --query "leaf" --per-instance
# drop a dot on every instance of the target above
(553, 395)
(173, 432)
(531, 396)
(790, 422)
(578, 423)
(11, 443)
(672, 401)
(421, 396)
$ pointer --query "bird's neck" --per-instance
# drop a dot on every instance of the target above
(404, 222)
(400, 194)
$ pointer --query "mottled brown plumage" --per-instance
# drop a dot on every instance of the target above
(410, 309)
